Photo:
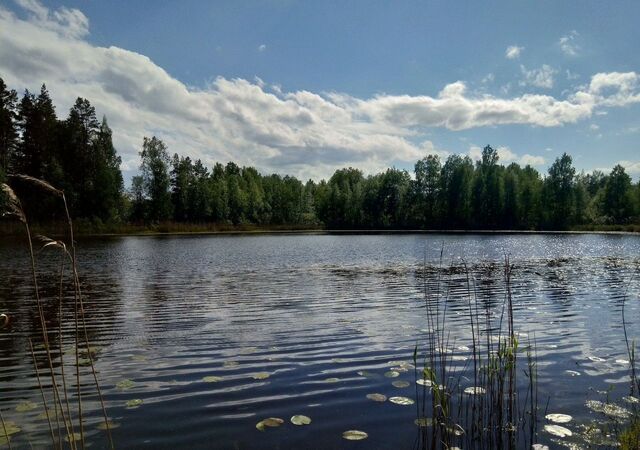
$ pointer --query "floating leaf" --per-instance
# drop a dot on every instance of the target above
(391, 374)
(271, 422)
(354, 435)
(260, 375)
(73, 437)
(26, 406)
(609, 409)
(377, 397)
(134, 403)
(84, 362)
(400, 369)
(125, 384)
(423, 422)
(11, 427)
(424, 382)
(475, 390)
(230, 364)
(404, 401)
(300, 420)
(339, 360)
(400, 384)
(558, 418)
(596, 359)
(557, 430)
(332, 380)
(366, 374)
(211, 379)
(112, 425)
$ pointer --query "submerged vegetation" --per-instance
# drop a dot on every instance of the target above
(174, 192)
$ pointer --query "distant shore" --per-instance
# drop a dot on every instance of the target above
(84, 230)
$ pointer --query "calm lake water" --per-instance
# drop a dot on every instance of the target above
(311, 312)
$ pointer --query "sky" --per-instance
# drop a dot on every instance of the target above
(305, 88)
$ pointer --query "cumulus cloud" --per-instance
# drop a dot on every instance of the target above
(507, 156)
(631, 167)
(513, 52)
(568, 44)
(541, 77)
(304, 133)
(262, 47)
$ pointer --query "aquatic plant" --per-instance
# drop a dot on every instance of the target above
(63, 417)
(482, 404)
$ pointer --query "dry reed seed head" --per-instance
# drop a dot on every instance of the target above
(13, 203)
(48, 242)
(38, 182)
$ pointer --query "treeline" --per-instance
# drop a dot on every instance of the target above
(77, 155)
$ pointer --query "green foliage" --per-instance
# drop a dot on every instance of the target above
(630, 436)
(77, 154)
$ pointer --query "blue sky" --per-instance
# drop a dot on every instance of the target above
(306, 87)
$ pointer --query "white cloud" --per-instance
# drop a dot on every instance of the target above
(541, 77)
(513, 52)
(303, 133)
(594, 127)
(507, 156)
(568, 44)
(262, 47)
(631, 167)
(532, 160)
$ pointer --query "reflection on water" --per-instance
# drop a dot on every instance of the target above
(215, 334)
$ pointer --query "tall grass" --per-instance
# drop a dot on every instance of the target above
(64, 418)
(481, 404)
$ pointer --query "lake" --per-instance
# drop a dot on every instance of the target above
(216, 333)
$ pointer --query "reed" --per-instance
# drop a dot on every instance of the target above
(58, 378)
(480, 404)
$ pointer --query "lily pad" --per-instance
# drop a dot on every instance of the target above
(211, 379)
(423, 422)
(400, 384)
(331, 380)
(112, 425)
(354, 435)
(609, 409)
(73, 437)
(26, 406)
(391, 374)
(404, 401)
(423, 382)
(557, 430)
(558, 418)
(260, 375)
(377, 397)
(11, 427)
(134, 403)
(125, 384)
(270, 422)
(230, 364)
(366, 374)
(300, 420)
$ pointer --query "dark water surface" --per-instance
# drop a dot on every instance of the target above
(311, 311)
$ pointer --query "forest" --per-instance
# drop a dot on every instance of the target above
(77, 155)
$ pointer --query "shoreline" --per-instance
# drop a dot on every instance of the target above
(320, 231)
